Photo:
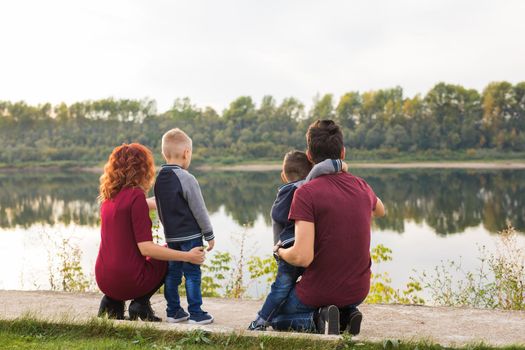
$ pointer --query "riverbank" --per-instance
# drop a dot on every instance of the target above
(440, 325)
(359, 165)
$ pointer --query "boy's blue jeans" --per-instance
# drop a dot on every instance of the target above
(284, 282)
(192, 275)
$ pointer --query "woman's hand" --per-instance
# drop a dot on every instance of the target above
(196, 255)
(155, 251)
(152, 205)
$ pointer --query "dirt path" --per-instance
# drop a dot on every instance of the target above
(443, 325)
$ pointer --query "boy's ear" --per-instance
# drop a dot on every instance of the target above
(309, 156)
(343, 153)
(283, 177)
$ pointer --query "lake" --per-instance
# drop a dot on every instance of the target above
(433, 215)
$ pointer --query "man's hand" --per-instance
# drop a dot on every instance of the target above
(302, 252)
(344, 167)
(196, 255)
(211, 244)
(276, 251)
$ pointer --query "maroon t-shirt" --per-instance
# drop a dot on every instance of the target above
(121, 271)
(340, 206)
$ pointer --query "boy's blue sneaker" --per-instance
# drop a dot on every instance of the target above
(180, 316)
(258, 325)
(201, 318)
(255, 326)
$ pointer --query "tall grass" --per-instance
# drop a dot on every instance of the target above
(498, 281)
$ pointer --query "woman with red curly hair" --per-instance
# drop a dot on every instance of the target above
(129, 265)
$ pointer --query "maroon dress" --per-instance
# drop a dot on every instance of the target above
(122, 273)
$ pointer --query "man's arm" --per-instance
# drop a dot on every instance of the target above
(379, 211)
(302, 252)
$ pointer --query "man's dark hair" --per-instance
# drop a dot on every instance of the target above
(325, 140)
(296, 165)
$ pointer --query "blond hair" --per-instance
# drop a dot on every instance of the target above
(174, 143)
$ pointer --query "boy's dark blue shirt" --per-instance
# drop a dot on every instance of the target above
(180, 205)
(281, 209)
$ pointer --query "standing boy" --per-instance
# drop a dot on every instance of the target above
(186, 222)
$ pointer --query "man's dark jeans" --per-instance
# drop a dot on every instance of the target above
(294, 315)
(284, 282)
(192, 275)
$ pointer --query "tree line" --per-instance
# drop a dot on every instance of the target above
(380, 122)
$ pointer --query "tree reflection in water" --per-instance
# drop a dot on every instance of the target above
(449, 201)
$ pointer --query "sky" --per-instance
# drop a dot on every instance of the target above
(215, 51)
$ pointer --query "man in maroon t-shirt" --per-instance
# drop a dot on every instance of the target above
(332, 217)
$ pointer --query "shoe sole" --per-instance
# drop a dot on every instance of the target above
(177, 320)
(201, 322)
(354, 325)
(332, 322)
(328, 321)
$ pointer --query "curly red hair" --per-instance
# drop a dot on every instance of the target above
(129, 165)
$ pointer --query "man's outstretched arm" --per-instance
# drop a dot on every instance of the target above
(379, 210)
(302, 252)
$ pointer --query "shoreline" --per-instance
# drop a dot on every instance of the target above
(502, 165)
(262, 167)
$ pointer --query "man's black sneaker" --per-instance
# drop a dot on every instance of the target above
(254, 326)
(328, 320)
(350, 322)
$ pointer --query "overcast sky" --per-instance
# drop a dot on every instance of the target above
(214, 51)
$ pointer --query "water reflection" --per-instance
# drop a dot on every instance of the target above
(449, 201)
(48, 198)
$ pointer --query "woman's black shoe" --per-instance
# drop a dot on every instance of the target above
(142, 311)
(111, 308)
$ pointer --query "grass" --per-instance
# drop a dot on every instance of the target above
(30, 333)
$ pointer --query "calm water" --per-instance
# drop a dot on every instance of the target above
(433, 215)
